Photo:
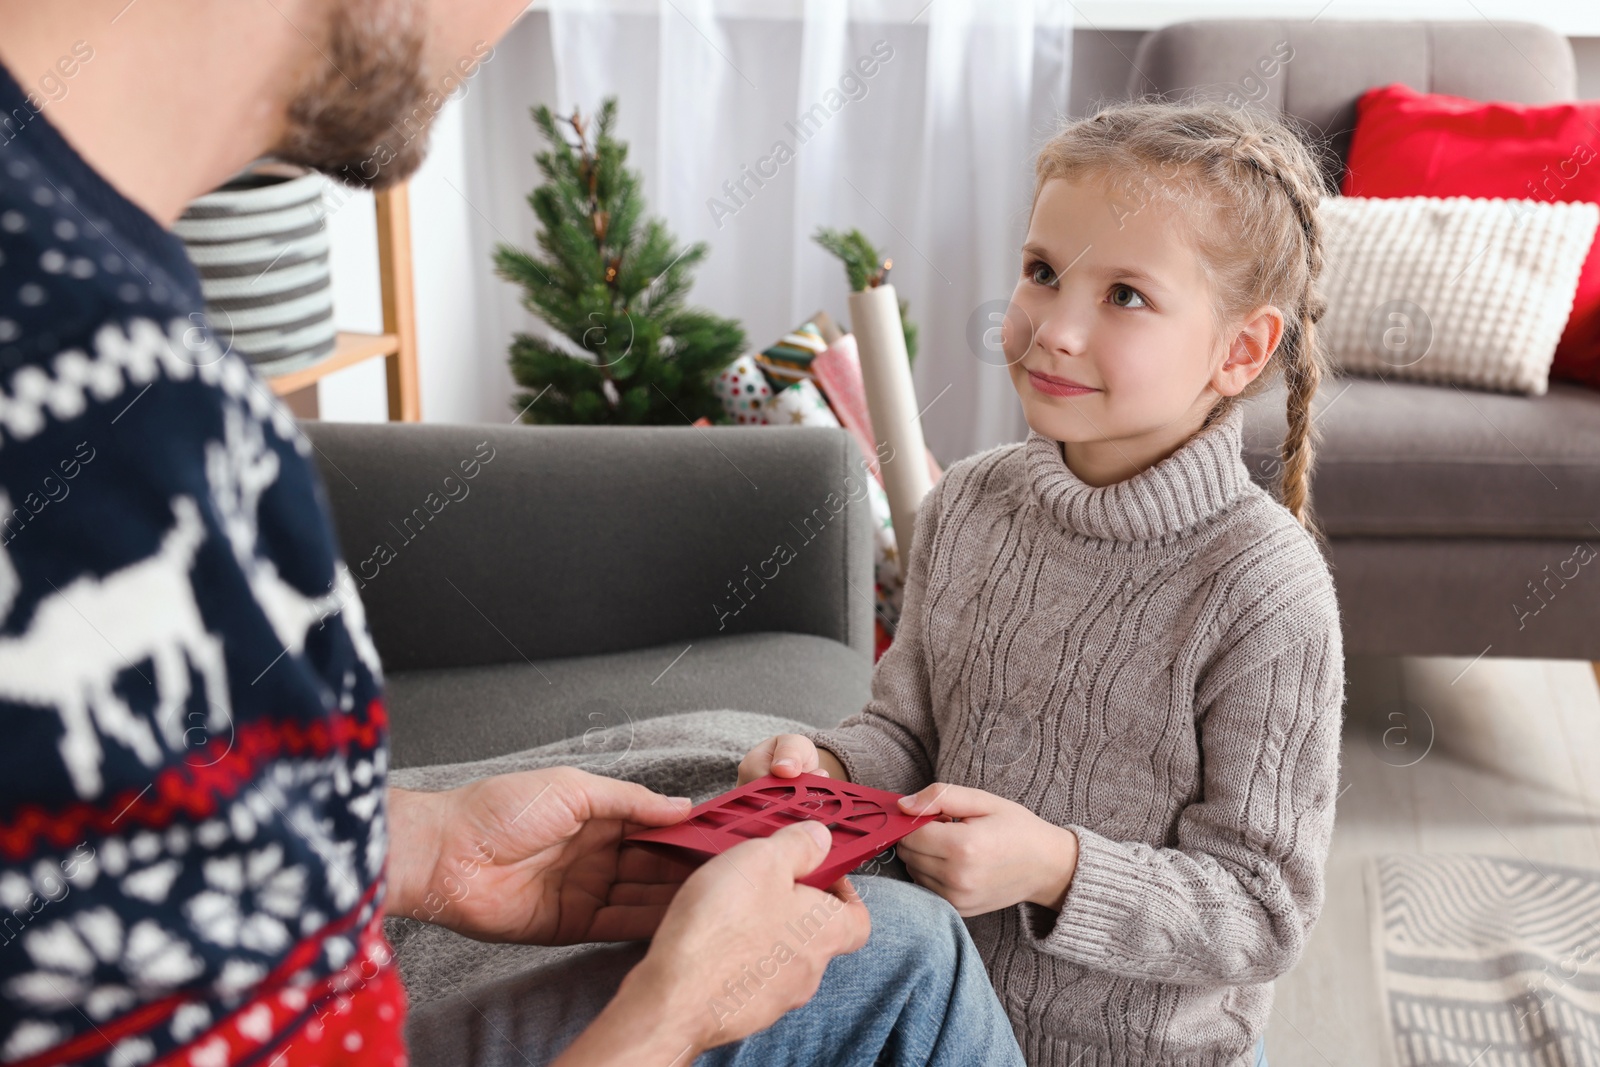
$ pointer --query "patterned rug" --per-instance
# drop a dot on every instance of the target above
(1487, 962)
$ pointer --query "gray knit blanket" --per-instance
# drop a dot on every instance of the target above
(695, 754)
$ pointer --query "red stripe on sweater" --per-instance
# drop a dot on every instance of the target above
(195, 789)
(355, 1018)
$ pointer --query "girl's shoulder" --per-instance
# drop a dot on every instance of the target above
(1262, 531)
(992, 474)
(986, 486)
(1268, 563)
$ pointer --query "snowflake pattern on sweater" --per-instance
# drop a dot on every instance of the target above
(192, 785)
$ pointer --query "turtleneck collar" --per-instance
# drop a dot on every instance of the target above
(1203, 477)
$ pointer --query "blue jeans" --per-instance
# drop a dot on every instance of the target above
(1261, 1051)
(916, 993)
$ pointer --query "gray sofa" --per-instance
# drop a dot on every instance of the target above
(586, 578)
(1452, 513)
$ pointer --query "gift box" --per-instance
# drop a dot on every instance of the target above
(799, 404)
(791, 357)
(743, 390)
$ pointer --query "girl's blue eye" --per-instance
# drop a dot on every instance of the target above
(1126, 296)
(1040, 273)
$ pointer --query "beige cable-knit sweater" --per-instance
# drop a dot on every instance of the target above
(1156, 665)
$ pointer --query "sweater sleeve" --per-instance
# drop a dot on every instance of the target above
(1235, 901)
(893, 743)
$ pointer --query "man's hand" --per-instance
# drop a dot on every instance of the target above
(741, 945)
(534, 857)
(997, 855)
(789, 756)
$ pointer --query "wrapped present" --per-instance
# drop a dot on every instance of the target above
(743, 390)
(782, 376)
(799, 404)
(791, 357)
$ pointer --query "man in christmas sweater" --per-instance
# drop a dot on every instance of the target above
(197, 843)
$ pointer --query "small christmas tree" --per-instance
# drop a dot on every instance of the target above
(613, 285)
(866, 269)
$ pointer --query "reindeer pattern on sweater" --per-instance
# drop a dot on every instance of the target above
(192, 773)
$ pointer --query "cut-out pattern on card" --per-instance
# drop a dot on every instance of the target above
(864, 822)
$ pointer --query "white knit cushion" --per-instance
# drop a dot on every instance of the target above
(1452, 290)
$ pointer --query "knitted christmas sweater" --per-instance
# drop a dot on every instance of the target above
(1156, 665)
(192, 778)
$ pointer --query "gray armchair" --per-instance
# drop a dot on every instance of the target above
(586, 578)
(1460, 522)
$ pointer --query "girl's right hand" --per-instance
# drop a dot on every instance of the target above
(787, 756)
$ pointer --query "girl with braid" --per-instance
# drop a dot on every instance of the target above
(1119, 674)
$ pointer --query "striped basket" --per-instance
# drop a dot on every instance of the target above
(260, 244)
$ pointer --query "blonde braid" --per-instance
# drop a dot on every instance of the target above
(1302, 370)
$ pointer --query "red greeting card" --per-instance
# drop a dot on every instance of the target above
(864, 822)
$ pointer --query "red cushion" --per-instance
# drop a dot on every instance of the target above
(1408, 143)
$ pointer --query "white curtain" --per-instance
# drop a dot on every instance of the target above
(754, 122)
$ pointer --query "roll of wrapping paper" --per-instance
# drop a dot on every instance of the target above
(892, 403)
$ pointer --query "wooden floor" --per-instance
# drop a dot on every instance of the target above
(1498, 756)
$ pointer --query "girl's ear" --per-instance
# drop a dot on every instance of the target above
(1248, 351)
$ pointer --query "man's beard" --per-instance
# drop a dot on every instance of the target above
(358, 115)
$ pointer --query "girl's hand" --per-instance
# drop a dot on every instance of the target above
(997, 855)
(788, 756)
